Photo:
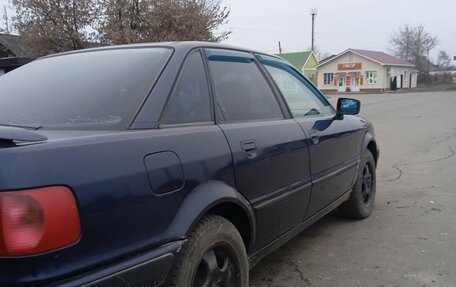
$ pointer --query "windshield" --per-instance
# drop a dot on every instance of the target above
(94, 90)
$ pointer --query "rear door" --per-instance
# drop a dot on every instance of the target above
(334, 144)
(270, 151)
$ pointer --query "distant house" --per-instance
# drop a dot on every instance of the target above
(442, 73)
(13, 53)
(305, 62)
(357, 70)
(328, 58)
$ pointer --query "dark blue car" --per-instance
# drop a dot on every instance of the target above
(170, 164)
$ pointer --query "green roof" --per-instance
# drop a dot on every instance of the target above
(297, 59)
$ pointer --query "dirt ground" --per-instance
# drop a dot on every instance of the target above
(410, 239)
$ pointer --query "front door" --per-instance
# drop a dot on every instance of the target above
(341, 83)
(333, 155)
(355, 83)
(270, 152)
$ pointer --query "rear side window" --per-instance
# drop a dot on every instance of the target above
(101, 89)
(190, 100)
(241, 91)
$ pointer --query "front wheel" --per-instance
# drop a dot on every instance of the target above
(214, 257)
(361, 201)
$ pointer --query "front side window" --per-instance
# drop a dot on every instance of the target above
(371, 77)
(241, 91)
(328, 78)
(302, 101)
(101, 89)
(190, 101)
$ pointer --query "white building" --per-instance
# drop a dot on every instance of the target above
(367, 71)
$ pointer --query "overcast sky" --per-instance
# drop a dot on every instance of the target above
(362, 24)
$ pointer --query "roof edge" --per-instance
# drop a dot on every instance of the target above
(364, 56)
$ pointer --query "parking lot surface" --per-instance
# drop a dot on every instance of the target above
(410, 239)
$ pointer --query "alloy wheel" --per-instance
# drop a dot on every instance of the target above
(218, 268)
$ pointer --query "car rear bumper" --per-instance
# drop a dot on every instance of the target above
(147, 269)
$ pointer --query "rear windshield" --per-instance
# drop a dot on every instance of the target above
(93, 90)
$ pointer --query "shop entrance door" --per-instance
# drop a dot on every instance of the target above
(355, 83)
(341, 83)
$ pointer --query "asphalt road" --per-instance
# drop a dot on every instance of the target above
(410, 239)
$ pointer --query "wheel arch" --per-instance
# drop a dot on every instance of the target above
(218, 198)
(371, 145)
(236, 215)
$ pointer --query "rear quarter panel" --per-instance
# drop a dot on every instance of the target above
(120, 213)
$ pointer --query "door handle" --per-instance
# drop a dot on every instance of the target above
(314, 136)
(248, 145)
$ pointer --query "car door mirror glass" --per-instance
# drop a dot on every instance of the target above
(346, 106)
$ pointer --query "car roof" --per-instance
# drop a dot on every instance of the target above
(184, 46)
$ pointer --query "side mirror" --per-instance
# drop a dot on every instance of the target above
(346, 106)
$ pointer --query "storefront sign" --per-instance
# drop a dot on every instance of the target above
(349, 66)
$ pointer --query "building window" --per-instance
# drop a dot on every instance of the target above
(328, 78)
(405, 76)
(371, 77)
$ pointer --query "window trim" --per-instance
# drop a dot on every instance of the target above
(311, 86)
(185, 62)
(286, 112)
(331, 80)
(365, 78)
(219, 113)
(195, 124)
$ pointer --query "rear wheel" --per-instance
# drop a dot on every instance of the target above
(215, 256)
(361, 201)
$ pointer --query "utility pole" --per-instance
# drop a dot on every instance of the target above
(313, 12)
(280, 48)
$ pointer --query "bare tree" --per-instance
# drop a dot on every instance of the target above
(320, 55)
(124, 21)
(130, 21)
(55, 25)
(414, 44)
(402, 42)
(5, 21)
(443, 60)
(51, 26)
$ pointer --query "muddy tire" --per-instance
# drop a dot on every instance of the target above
(214, 256)
(361, 201)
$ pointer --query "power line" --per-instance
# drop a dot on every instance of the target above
(265, 30)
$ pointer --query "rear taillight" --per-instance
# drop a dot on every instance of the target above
(38, 220)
